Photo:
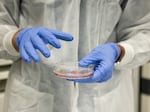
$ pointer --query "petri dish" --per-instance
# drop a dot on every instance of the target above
(72, 70)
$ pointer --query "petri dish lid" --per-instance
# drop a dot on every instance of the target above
(72, 70)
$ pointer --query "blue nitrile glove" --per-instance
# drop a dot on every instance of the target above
(31, 39)
(103, 57)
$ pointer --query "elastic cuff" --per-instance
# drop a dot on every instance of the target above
(129, 54)
(7, 43)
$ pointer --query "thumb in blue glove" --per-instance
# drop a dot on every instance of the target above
(31, 39)
(103, 57)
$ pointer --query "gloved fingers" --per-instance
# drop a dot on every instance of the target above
(24, 54)
(94, 78)
(104, 71)
(89, 59)
(100, 74)
(31, 51)
(107, 77)
(62, 35)
(49, 37)
(40, 45)
(86, 80)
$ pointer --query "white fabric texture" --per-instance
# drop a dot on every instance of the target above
(128, 56)
(34, 88)
(7, 43)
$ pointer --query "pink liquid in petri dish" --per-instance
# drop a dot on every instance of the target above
(74, 74)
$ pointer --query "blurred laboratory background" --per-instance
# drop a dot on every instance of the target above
(141, 81)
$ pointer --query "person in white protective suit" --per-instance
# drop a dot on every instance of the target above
(37, 34)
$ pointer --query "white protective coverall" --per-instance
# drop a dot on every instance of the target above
(34, 88)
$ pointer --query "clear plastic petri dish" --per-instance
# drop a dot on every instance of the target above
(72, 70)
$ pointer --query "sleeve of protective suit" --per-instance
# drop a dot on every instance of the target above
(133, 33)
(9, 22)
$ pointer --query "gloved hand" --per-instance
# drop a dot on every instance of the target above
(103, 57)
(31, 39)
